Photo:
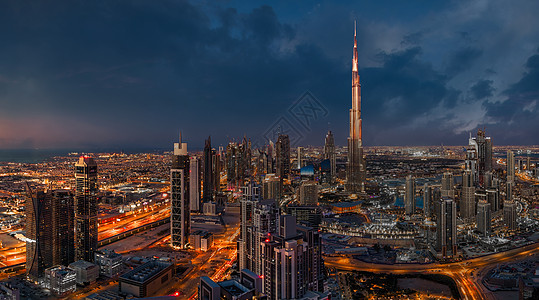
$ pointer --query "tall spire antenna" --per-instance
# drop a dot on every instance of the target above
(355, 27)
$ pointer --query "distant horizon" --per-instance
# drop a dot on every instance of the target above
(129, 150)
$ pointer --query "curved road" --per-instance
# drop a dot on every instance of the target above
(469, 287)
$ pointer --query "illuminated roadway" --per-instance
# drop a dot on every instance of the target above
(469, 287)
(224, 249)
(16, 255)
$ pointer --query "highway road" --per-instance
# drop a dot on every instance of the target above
(17, 255)
(469, 287)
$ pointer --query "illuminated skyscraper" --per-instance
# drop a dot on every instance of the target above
(291, 261)
(209, 176)
(299, 160)
(308, 193)
(250, 197)
(179, 196)
(195, 201)
(467, 206)
(471, 158)
(237, 164)
(483, 218)
(217, 163)
(427, 200)
(63, 235)
(409, 195)
(49, 229)
(484, 155)
(510, 215)
(38, 233)
(85, 209)
(448, 185)
(232, 168)
(282, 149)
(446, 228)
(271, 187)
(509, 186)
(329, 153)
(510, 166)
(356, 171)
(493, 198)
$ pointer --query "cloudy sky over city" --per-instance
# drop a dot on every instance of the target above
(87, 74)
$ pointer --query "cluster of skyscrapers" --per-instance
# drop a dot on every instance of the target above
(285, 255)
(477, 199)
(240, 163)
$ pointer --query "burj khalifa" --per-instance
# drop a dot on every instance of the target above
(355, 172)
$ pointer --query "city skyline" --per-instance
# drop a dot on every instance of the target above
(423, 84)
(268, 202)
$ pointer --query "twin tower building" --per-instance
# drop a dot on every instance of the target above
(61, 227)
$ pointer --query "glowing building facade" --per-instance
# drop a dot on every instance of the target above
(356, 171)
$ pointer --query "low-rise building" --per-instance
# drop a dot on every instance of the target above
(61, 280)
(346, 207)
(8, 292)
(110, 263)
(146, 279)
(248, 287)
(210, 208)
(87, 272)
(201, 240)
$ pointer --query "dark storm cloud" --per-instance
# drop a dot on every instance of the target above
(482, 89)
(412, 39)
(136, 66)
(403, 88)
(520, 105)
(133, 73)
(461, 60)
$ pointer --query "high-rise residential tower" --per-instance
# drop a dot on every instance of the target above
(232, 165)
(446, 227)
(510, 215)
(493, 198)
(329, 153)
(250, 197)
(356, 170)
(479, 158)
(209, 176)
(409, 195)
(195, 201)
(510, 162)
(483, 217)
(38, 233)
(308, 193)
(179, 196)
(471, 158)
(49, 229)
(63, 235)
(282, 150)
(467, 210)
(85, 208)
(299, 160)
(291, 261)
(427, 200)
(484, 155)
(447, 189)
(271, 187)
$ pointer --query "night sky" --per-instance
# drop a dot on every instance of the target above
(132, 74)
